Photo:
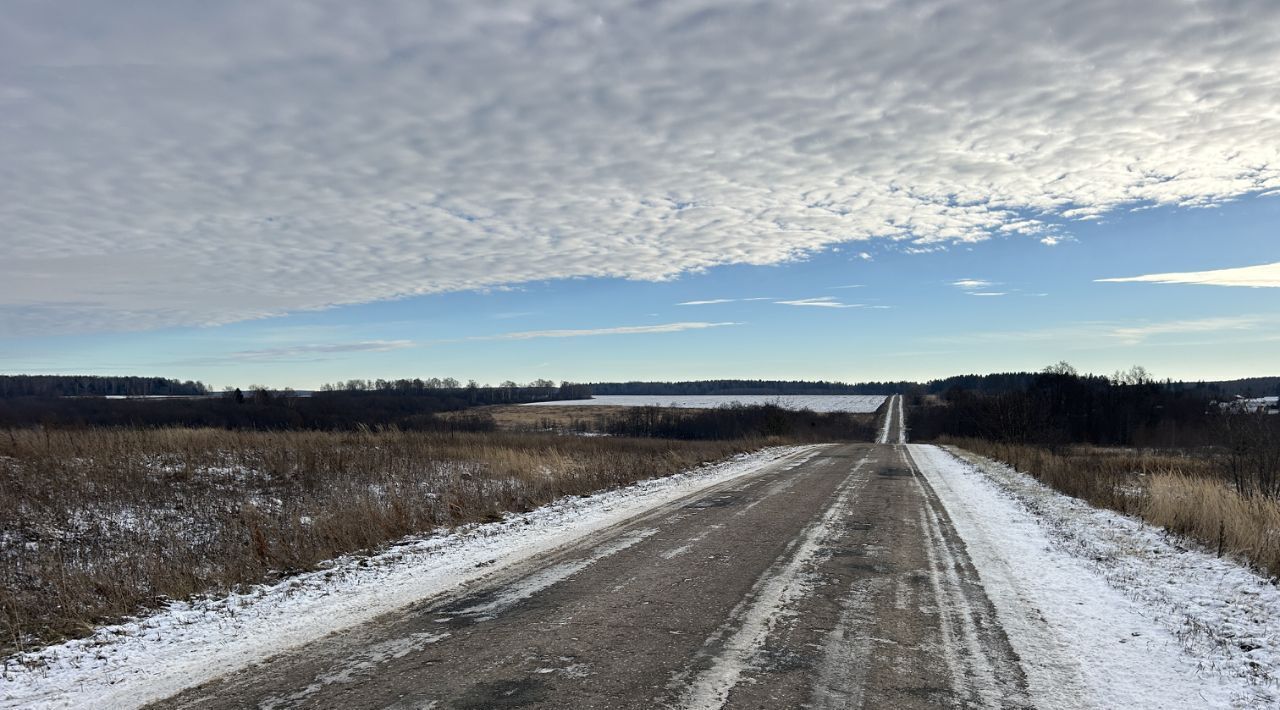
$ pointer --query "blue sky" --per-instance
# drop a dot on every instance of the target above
(304, 192)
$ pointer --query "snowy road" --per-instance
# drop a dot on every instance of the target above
(831, 581)
(836, 581)
(857, 576)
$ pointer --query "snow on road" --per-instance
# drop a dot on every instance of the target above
(893, 413)
(789, 578)
(1104, 611)
(855, 403)
(131, 664)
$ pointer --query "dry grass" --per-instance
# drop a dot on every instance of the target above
(1188, 494)
(95, 524)
(549, 417)
(1215, 513)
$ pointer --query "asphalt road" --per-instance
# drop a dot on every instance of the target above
(836, 583)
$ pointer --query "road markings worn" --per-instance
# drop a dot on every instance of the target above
(780, 487)
(357, 666)
(677, 551)
(513, 594)
(787, 580)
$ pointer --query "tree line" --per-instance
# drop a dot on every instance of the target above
(96, 386)
(260, 408)
(1059, 406)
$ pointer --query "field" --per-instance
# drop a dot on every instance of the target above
(853, 403)
(1192, 494)
(557, 417)
(99, 523)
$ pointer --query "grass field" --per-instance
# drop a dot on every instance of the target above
(102, 523)
(1192, 494)
(550, 417)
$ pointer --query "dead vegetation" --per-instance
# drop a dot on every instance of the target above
(1219, 498)
(98, 523)
(548, 417)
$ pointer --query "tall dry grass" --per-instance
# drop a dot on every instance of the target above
(1193, 495)
(96, 524)
(1215, 513)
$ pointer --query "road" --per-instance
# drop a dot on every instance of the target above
(836, 582)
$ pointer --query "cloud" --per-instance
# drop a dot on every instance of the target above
(1262, 276)
(250, 159)
(320, 351)
(621, 330)
(987, 293)
(1095, 334)
(1135, 334)
(713, 301)
(821, 302)
(972, 284)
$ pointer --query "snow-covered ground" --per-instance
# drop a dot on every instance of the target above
(856, 403)
(133, 663)
(1104, 611)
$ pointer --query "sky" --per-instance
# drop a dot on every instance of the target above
(292, 193)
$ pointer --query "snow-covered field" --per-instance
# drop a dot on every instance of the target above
(137, 662)
(855, 403)
(1104, 611)
(1270, 405)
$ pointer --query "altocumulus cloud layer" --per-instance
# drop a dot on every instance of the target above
(176, 163)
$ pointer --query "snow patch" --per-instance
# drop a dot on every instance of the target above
(1103, 610)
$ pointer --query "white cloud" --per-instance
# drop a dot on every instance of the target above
(621, 330)
(1095, 334)
(1135, 334)
(320, 351)
(1262, 276)
(715, 301)
(972, 284)
(987, 293)
(821, 302)
(170, 167)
